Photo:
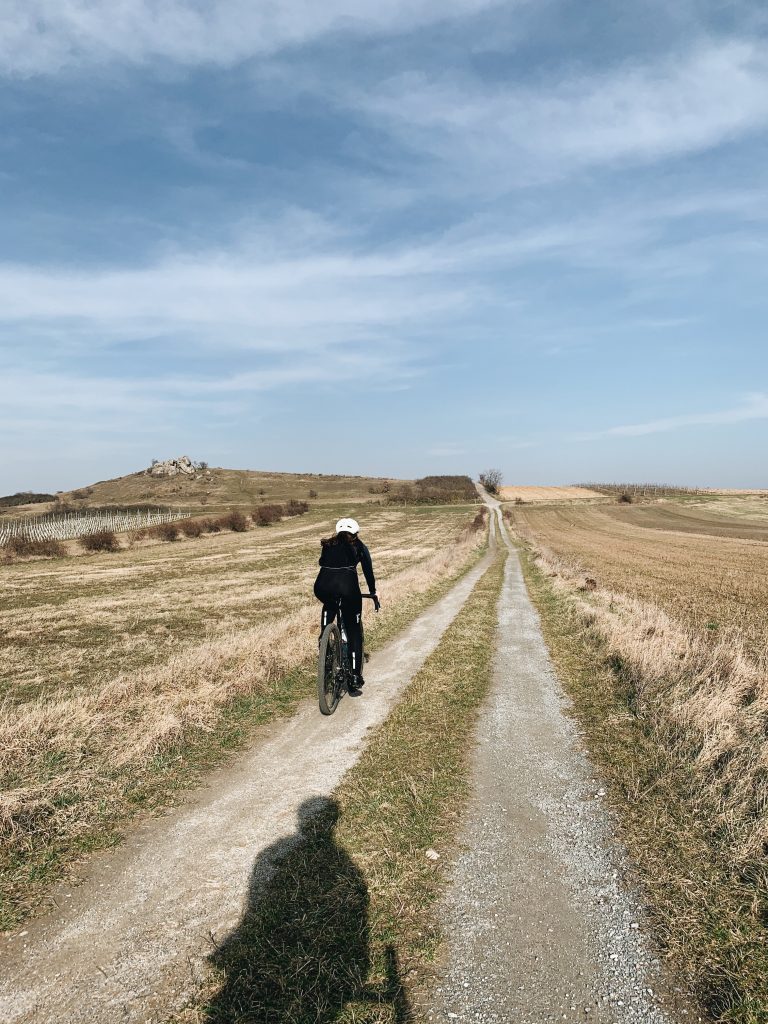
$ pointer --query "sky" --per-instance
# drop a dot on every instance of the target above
(391, 238)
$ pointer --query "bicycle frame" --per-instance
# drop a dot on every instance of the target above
(334, 671)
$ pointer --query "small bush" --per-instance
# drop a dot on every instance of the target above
(101, 540)
(166, 531)
(491, 480)
(234, 521)
(210, 525)
(313, 493)
(479, 521)
(191, 527)
(23, 547)
(519, 500)
(296, 508)
(265, 515)
(625, 499)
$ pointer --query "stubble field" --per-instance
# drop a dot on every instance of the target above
(656, 617)
(125, 672)
(526, 494)
(705, 565)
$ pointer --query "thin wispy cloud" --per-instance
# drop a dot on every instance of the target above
(754, 407)
(233, 300)
(46, 36)
(504, 134)
(446, 450)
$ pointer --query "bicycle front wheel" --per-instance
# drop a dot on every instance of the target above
(329, 669)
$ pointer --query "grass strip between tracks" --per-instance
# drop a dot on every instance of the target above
(346, 927)
(707, 912)
(27, 874)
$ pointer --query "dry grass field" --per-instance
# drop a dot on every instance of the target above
(695, 563)
(69, 623)
(114, 663)
(537, 494)
(743, 518)
(659, 615)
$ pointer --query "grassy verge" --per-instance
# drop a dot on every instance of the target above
(345, 926)
(709, 911)
(77, 819)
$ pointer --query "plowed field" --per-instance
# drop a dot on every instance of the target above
(707, 566)
(532, 494)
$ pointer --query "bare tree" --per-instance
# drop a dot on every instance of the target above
(491, 480)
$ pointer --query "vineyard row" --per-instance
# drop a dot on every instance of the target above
(81, 524)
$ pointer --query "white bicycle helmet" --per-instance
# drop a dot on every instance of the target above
(347, 526)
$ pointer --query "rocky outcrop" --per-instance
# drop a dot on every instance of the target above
(183, 466)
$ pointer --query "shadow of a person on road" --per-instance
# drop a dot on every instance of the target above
(300, 953)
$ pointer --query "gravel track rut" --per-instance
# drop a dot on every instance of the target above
(539, 922)
(130, 943)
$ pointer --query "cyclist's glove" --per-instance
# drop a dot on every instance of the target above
(376, 602)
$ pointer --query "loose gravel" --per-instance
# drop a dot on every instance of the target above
(541, 923)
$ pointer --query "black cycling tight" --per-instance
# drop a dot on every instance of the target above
(352, 613)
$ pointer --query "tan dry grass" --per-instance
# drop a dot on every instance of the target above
(740, 518)
(536, 494)
(706, 702)
(697, 699)
(708, 906)
(68, 759)
(66, 624)
(716, 586)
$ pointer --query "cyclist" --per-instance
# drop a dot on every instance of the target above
(340, 556)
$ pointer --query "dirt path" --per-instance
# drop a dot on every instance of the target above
(541, 927)
(130, 943)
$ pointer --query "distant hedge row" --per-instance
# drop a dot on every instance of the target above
(25, 498)
(435, 490)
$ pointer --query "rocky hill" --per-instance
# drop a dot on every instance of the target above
(183, 466)
(182, 483)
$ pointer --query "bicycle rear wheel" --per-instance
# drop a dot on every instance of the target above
(329, 669)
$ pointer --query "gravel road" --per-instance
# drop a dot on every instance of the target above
(540, 925)
(130, 943)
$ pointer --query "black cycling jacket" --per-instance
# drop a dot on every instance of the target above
(338, 568)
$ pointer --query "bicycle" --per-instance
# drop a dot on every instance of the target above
(334, 667)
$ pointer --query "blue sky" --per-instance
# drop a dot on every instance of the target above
(393, 237)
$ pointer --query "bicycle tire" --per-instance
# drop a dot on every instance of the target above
(328, 669)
